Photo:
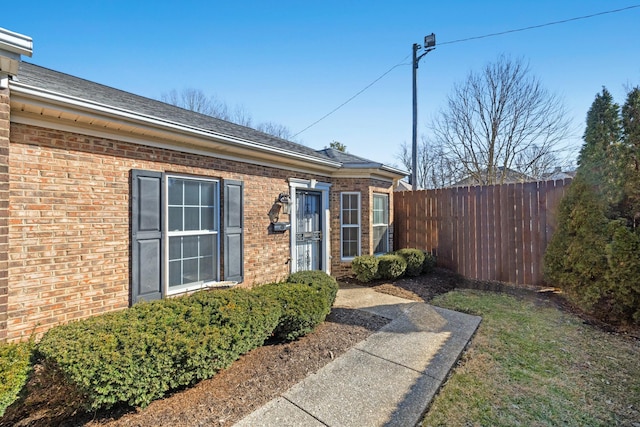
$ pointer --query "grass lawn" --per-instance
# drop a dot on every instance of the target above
(531, 364)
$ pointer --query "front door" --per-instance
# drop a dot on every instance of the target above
(308, 230)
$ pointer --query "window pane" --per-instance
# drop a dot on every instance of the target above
(380, 209)
(191, 218)
(206, 191)
(206, 245)
(190, 271)
(175, 273)
(175, 219)
(206, 269)
(175, 248)
(191, 193)
(175, 191)
(189, 246)
(349, 242)
(207, 218)
(380, 239)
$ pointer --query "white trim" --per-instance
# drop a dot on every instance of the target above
(15, 42)
(358, 226)
(374, 225)
(167, 291)
(323, 188)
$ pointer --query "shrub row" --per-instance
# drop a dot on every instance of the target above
(410, 262)
(14, 370)
(137, 355)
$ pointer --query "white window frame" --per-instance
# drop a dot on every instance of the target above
(379, 225)
(168, 234)
(358, 225)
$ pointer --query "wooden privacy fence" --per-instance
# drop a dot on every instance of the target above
(494, 232)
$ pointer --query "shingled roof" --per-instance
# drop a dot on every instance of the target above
(55, 81)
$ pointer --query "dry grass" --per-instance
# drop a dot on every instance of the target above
(531, 364)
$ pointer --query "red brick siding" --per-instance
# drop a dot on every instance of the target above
(69, 222)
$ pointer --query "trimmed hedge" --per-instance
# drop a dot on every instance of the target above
(137, 355)
(391, 266)
(306, 299)
(14, 370)
(365, 267)
(415, 260)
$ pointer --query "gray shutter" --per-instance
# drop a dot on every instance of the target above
(233, 231)
(146, 235)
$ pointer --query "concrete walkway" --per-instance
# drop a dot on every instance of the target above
(388, 379)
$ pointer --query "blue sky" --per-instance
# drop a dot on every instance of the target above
(292, 62)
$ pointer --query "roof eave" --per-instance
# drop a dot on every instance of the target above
(43, 98)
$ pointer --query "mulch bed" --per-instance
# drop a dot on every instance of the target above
(256, 377)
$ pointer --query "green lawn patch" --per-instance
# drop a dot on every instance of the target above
(531, 364)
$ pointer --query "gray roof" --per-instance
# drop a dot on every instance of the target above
(66, 84)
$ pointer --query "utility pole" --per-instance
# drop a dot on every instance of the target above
(429, 45)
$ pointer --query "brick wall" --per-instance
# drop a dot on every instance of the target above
(69, 219)
(4, 209)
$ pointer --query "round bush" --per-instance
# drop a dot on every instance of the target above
(415, 260)
(304, 306)
(365, 268)
(318, 279)
(429, 263)
(391, 266)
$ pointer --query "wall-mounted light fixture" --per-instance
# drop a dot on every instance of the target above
(285, 201)
(282, 204)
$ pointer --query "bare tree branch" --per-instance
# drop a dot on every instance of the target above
(500, 120)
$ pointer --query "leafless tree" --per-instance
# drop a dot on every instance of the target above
(275, 129)
(435, 168)
(501, 119)
(196, 100)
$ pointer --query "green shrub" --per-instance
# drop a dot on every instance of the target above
(15, 365)
(623, 277)
(320, 279)
(391, 266)
(365, 267)
(415, 260)
(304, 305)
(429, 262)
(136, 355)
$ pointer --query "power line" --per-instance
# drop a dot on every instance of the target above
(532, 27)
(350, 99)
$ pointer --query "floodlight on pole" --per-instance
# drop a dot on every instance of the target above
(429, 45)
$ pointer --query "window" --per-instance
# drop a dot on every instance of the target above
(380, 223)
(349, 225)
(192, 231)
(177, 244)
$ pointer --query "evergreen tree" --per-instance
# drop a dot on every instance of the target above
(594, 256)
(630, 158)
(597, 160)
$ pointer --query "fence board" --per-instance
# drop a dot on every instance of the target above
(497, 232)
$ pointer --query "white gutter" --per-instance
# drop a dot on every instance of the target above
(15, 43)
(33, 92)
